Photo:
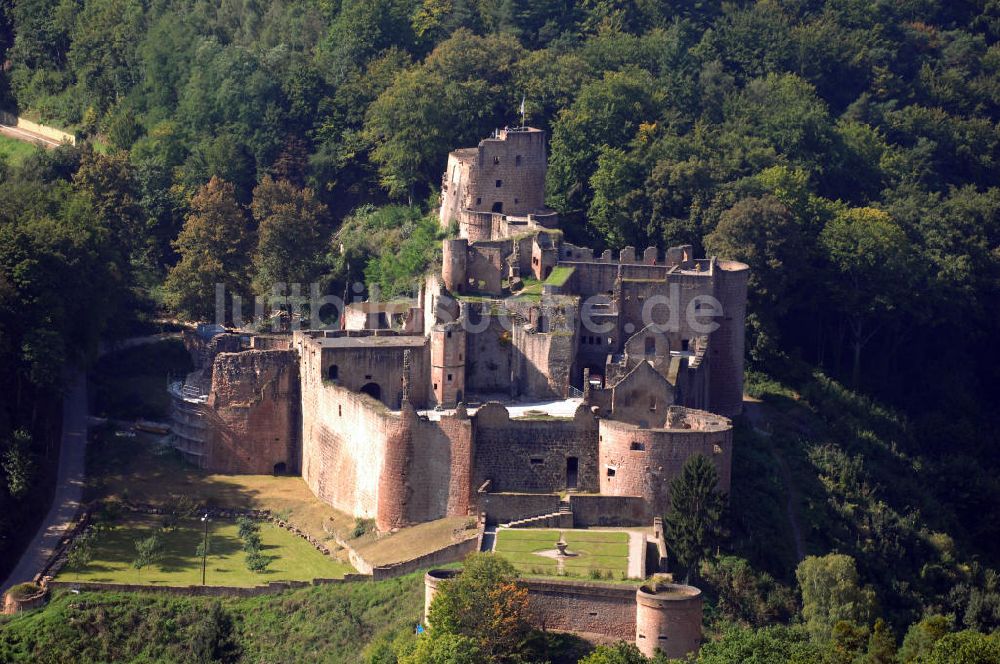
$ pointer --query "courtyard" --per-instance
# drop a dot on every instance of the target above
(593, 554)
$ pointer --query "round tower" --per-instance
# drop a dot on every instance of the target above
(431, 581)
(448, 364)
(726, 345)
(668, 618)
(454, 256)
(394, 479)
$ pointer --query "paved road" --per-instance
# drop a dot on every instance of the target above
(28, 136)
(69, 484)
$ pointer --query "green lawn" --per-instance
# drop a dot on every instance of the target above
(16, 151)
(603, 552)
(559, 276)
(292, 558)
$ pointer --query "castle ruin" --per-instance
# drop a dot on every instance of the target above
(530, 377)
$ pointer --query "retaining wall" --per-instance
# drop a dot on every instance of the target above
(48, 132)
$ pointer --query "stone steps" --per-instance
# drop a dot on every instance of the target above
(561, 519)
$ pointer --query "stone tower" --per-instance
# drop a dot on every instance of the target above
(503, 175)
(448, 364)
(668, 618)
(728, 342)
(454, 259)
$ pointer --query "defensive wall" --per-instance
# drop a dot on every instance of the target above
(367, 460)
(642, 462)
(534, 455)
(656, 616)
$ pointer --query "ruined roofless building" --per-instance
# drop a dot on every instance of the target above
(523, 381)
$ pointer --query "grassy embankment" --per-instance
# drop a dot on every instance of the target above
(291, 558)
(325, 623)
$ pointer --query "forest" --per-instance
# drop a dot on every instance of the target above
(845, 149)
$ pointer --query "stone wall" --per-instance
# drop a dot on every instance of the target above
(587, 607)
(488, 368)
(19, 599)
(542, 362)
(506, 507)
(50, 133)
(642, 462)
(590, 510)
(205, 591)
(523, 455)
(370, 462)
(252, 412)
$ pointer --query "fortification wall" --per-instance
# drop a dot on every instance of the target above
(488, 369)
(592, 510)
(643, 462)
(365, 460)
(542, 362)
(668, 618)
(534, 455)
(590, 608)
(253, 413)
(359, 366)
(440, 473)
(344, 440)
(507, 507)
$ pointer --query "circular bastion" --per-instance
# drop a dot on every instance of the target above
(431, 581)
(668, 618)
(24, 597)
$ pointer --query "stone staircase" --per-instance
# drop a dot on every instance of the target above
(561, 519)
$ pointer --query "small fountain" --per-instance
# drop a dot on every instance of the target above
(561, 546)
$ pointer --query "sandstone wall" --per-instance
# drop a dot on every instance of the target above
(368, 461)
(643, 462)
(488, 368)
(594, 608)
(507, 507)
(344, 437)
(591, 510)
(253, 413)
(542, 362)
(533, 456)
(359, 366)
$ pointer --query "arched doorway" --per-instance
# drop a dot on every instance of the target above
(332, 372)
(280, 468)
(372, 390)
(498, 207)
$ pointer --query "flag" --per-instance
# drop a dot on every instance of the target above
(522, 109)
